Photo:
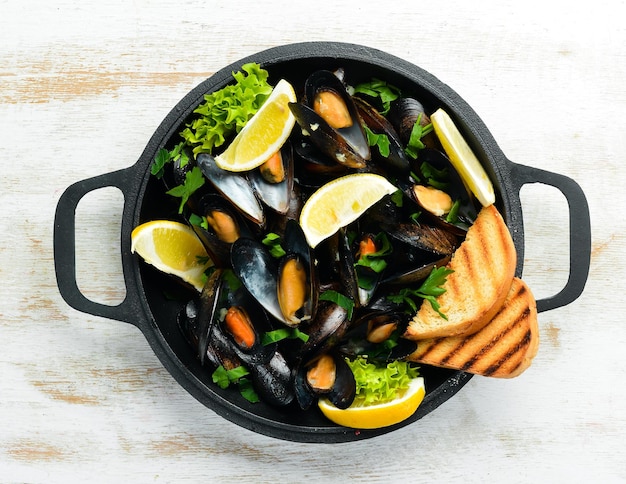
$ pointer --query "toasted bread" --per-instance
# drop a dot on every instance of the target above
(484, 266)
(503, 348)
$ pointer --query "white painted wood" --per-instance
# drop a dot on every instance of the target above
(83, 85)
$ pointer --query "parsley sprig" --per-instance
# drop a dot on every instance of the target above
(429, 290)
(385, 92)
(163, 157)
(194, 179)
(381, 141)
(273, 244)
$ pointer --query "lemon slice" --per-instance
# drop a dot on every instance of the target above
(340, 202)
(463, 158)
(381, 415)
(173, 248)
(264, 133)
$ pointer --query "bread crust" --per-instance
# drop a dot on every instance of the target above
(503, 348)
(484, 267)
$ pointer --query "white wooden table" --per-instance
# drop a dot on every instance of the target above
(82, 87)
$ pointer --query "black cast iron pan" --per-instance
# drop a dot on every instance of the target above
(146, 307)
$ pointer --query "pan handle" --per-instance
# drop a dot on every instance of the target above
(64, 241)
(579, 236)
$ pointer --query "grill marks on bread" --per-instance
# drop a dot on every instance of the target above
(484, 266)
(503, 348)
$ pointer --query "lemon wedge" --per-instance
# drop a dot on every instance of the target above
(172, 247)
(380, 415)
(264, 133)
(340, 202)
(463, 158)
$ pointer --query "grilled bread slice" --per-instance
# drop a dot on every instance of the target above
(484, 266)
(503, 348)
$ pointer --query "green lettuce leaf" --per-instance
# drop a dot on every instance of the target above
(379, 384)
(226, 111)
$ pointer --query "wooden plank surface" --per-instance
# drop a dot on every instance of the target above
(83, 85)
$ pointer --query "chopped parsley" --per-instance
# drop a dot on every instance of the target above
(272, 242)
(238, 375)
(284, 333)
(381, 141)
(339, 299)
(415, 140)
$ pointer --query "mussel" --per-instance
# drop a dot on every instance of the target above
(327, 375)
(273, 181)
(233, 186)
(376, 332)
(327, 328)
(440, 192)
(404, 112)
(329, 117)
(286, 288)
(222, 225)
(225, 326)
(395, 159)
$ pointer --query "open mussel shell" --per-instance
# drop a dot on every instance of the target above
(419, 248)
(452, 185)
(325, 375)
(411, 270)
(257, 269)
(187, 321)
(298, 255)
(396, 159)
(274, 381)
(275, 190)
(346, 144)
(314, 168)
(271, 375)
(276, 284)
(224, 226)
(346, 271)
(428, 238)
(276, 222)
(234, 186)
(250, 317)
(210, 299)
(377, 334)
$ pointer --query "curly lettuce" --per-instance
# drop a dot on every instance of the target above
(226, 111)
(379, 384)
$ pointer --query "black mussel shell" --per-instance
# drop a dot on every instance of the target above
(342, 392)
(346, 145)
(274, 381)
(257, 269)
(233, 186)
(216, 244)
(396, 159)
(326, 329)
(404, 113)
(452, 184)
